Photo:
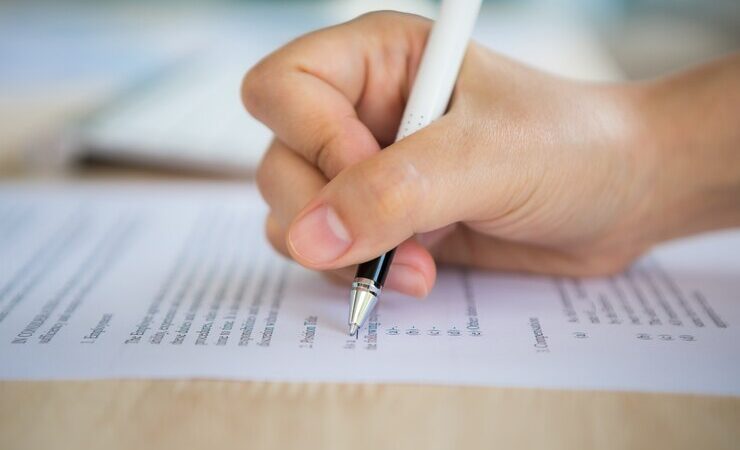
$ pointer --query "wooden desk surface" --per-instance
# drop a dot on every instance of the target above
(223, 415)
(219, 414)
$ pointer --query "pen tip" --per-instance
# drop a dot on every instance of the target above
(354, 330)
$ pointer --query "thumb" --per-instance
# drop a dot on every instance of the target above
(424, 182)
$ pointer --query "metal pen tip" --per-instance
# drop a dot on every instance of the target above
(363, 297)
(354, 330)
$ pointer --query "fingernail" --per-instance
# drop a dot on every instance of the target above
(319, 236)
(407, 280)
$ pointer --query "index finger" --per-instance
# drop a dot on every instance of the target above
(332, 95)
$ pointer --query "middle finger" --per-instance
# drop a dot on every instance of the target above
(287, 182)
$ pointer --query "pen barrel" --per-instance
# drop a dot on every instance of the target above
(376, 269)
(431, 91)
(440, 65)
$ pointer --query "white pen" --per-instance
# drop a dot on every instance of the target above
(429, 98)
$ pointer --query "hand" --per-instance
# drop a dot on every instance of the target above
(526, 171)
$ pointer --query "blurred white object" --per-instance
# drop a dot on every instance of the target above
(549, 37)
(192, 118)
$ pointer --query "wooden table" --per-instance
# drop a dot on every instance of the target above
(224, 414)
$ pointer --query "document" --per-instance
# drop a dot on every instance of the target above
(176, 280)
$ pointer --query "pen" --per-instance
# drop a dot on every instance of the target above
(430, 95)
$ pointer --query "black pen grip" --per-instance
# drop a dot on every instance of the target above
(376, 269)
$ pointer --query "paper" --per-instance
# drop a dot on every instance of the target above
(176, 280)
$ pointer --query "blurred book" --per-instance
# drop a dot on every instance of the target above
(190, 116)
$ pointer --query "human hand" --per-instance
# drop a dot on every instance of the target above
(526, 171)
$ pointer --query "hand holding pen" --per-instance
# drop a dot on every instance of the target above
(525, 171)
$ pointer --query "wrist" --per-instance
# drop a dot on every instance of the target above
(695, 157)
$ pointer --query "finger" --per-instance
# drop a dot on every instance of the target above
(287, 182)
(276, 235)
(413, 271)
(316, 92)
(412, 187)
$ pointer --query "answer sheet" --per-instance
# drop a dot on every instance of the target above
(177, 281)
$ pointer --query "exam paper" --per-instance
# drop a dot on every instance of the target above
(176, 280)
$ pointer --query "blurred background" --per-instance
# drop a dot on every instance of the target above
(155, 85)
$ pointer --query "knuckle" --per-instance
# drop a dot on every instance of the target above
(393, 23)
(376, 16)
(324, 152)
(394, 191)
(321, 160)
(264, 177)
(253, 88)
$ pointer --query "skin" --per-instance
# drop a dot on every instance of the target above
(525, 172)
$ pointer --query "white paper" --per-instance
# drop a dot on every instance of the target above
(173, 281)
